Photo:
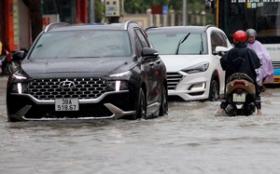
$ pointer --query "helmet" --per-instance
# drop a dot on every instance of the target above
(239, 36)
(251, 32)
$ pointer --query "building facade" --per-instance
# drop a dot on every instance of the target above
(22, 20)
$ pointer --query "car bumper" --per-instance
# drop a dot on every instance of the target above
(108, 106)
(192, 87)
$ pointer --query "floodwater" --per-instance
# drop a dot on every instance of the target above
(189, 140)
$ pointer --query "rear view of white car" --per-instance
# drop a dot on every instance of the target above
(191, 58)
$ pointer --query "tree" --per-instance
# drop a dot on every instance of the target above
(136, 6)
(99, 10)
(140, 6)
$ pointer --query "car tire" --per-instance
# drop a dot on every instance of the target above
(13, 108)
(141, 111)
(214, 90)
(163, 104)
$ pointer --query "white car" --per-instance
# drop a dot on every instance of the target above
(190, 54)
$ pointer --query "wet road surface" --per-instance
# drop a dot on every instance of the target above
(189, 140)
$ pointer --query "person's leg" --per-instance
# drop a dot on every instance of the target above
(221, 110)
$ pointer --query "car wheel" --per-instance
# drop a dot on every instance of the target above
(141, 111)
(163, 104)
(214, 90)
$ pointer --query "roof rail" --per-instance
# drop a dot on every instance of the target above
(126, 24)
(146, 29)
(208, 26)
(55, 25)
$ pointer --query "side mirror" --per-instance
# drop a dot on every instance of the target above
(19, 55)
(149, 52)
(220, 50)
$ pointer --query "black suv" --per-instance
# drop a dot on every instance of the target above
(88, 72)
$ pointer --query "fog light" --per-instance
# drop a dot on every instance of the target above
(197, 86)
(19, 88)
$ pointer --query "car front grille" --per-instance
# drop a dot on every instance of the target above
(173, 78)
(276, 64)
(81, 88)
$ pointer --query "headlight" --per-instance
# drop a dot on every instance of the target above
(202, 67)
(18, 82)
(19, 88)
(18, 76)
(117, 85)
(123, 75)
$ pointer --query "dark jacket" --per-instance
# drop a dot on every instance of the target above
(240, 59)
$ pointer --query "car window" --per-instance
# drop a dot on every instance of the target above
(138, 46)
(217, 39)
(142, 38)
(167, 42)
(222, 39)
(82, 44)
(193, 45)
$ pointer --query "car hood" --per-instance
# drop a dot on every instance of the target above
(175, 63)
(77, 67)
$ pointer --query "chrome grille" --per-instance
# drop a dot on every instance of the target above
(173, 78)
(276, 64)
(81, 88)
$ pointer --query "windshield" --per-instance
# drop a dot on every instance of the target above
(264, 17)
(178, 42)
(82, 44)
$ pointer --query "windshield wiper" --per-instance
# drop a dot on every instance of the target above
(201, 48)
(181, 41)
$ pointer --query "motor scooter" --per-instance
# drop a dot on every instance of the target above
(240, 95)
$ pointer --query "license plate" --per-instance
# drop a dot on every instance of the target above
(239, 97)
(67, 104)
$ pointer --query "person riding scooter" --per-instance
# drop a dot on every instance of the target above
(265, 72)
(241, 59)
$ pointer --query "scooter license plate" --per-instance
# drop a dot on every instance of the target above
(239, 97)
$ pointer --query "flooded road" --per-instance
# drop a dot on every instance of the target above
(189, 140)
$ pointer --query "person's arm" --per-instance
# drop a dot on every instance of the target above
(263, 50)
(267, 59)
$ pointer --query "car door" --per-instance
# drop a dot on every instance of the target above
(217, 39)
(149, 68)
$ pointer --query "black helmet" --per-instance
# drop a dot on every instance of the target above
(251, 32)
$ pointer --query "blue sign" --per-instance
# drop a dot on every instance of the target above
(165, 9)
